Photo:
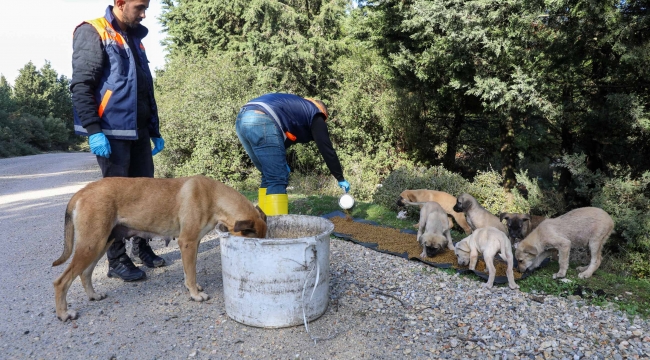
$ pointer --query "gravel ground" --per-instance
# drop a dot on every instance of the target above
(381, 306)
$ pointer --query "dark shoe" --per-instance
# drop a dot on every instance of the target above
(124, 269)
(143, 252)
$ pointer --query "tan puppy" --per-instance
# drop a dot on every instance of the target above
(183, 208)
(520, 225)
(588, 226)
(433, 230)
(445, 200)
(488, 241)
(476, 215)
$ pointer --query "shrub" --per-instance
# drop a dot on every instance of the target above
(198, 104)
(624, 198)
(539, 201)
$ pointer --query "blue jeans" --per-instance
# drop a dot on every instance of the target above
(264, 144)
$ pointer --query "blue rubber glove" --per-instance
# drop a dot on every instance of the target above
(288, 168)
(345, 185)
(158, 145)
(99, 145)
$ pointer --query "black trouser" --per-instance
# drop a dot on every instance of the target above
(129, 158)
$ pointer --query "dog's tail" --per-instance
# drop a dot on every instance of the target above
(68, 236)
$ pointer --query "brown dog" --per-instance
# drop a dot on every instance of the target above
(588, 226)
(445, 200)
(476, 215)
(520, 225)
(113, 208)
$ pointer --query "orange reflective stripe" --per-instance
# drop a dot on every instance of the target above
(102, 106)
(290, 136)
(106, 31)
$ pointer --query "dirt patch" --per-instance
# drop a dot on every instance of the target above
(392, 240)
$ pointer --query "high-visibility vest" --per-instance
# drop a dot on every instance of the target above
(116, 95)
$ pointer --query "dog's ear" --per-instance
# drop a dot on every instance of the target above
(529, 249)
(262, 214)
(463, 245)
(244, 225)
(504, 216)
(411, 197)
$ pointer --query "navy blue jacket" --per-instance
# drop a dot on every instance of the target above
(112, 86)
(301, 119)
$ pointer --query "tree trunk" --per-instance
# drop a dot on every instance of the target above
(508, 153)
(449, 160)
(567, 149)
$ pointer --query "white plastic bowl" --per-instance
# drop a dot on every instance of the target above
(346, 201)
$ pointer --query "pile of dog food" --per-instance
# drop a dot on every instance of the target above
(394, 241)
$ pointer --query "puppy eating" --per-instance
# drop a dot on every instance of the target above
(112, 208)
(588, 226)
(476, 215)
(445, 200)
(520, 225)
(488, 241)
(433, 230)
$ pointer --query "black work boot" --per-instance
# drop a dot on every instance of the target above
(144, 253)
(124, 269)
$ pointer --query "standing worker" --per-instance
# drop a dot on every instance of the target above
(267, 126)
(114, 105)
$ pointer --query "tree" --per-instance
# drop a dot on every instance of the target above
(293, 44)
(29, 91)
(7, 103)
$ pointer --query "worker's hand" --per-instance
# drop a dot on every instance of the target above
(158, 145)
(99, 145)
(344, 185)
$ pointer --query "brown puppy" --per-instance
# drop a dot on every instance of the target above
(520, 225)
(588, 226)
(433, 230)
(183, 208)
(445, 200)
(476, 215)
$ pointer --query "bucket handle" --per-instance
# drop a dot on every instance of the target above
(304, 287)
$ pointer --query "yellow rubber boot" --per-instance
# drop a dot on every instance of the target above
(261, 199)
(276, 204)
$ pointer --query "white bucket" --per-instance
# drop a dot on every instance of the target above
(282, 280)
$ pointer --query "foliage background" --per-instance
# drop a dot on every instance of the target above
(529, 105)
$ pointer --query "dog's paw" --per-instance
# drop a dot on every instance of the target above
(584, 275)
(200, 297)
(487, 286)
(558, 276)
(68, 315)
(199, 287)
(514, 286)
(97, 296)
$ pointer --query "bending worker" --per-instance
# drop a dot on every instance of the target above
(267, 126)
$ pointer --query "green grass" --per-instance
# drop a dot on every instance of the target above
(629, 294)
